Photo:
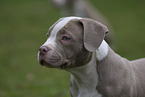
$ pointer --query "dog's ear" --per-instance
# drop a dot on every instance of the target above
(94, 33)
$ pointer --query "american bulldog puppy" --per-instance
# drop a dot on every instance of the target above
(77, 45)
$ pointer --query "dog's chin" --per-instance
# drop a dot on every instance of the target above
(59, 64)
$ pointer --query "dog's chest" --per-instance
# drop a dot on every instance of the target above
(84, 80)
(78, 88)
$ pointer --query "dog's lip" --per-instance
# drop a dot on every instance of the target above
(64, 65)
(41, 62)
(52, 64)
(44, 60)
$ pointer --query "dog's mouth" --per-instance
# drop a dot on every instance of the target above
(55, 63)
(43, 63)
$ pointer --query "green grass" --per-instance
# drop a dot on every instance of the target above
(23, 26)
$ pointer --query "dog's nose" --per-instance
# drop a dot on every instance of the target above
(43, 49)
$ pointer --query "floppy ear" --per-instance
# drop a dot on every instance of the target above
(94, 33)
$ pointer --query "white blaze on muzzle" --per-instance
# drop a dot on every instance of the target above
(51, 40)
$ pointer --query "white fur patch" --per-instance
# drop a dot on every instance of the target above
(51, 40)
(84, 80)
(102, 51)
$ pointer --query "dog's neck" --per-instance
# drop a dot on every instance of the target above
(84, 79)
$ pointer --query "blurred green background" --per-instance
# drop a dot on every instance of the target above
(23, 26)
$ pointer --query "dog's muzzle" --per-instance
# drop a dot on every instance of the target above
(52, 59)
(42, 54)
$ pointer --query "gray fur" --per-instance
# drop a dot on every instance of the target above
(119, 77)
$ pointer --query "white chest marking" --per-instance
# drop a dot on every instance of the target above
(102, 51)
(84, 80)
(51, 40)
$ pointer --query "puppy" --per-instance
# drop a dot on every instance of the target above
(77, 45)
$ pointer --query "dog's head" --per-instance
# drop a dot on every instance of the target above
(71, 41)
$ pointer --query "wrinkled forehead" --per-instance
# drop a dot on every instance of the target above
(57, 26)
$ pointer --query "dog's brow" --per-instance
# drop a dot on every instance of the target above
(60, 25)
(56, 27)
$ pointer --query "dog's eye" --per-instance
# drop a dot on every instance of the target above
(66, 38)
